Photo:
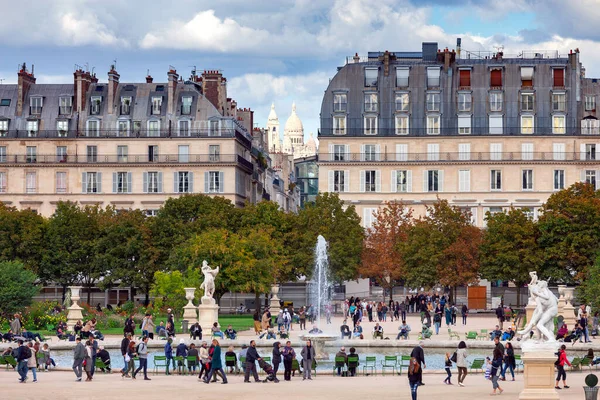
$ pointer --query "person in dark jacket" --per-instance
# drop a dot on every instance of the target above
(288, 354)
(415, 376)
(465, 313)
(500, 315)
(251, 358)
(216, 365)
(79, 354)
(496, 365)
(181, 351)
(231, 364)
(169, 355)
(308, 357)
(124, 347)
(105, 357)
(129, 326)
(276, 357)
(196, 331)
(419, 355)
(509, 362)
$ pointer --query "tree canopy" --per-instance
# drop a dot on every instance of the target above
(17, 287)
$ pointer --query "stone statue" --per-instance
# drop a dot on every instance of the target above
(545, 311)
(209, 279)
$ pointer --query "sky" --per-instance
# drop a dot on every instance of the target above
(275, 51)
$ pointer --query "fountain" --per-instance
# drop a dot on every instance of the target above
(320, 291)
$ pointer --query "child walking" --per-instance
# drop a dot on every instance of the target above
(448, 365)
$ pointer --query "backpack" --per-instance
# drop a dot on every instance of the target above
(137, 348)
(454, 357)
(27, 352)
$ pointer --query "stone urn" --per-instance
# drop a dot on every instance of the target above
(568, 295)
(274, 304)
(568, 309)
(75, 294)
(190, 312)
(74, 311)
(189, 295)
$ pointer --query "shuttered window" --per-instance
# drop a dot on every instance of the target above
(559, 77)
(496, 78)
(465, 78)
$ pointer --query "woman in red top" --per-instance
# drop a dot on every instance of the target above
(560, 367)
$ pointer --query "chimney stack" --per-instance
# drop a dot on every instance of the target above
(149, 79)
(113, 84)
(213, 86)
(83, 80)
(25, 80)
(171, 101)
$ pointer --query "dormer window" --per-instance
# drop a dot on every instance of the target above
(433, 102)
(95, 105)
(3, 127)
(35, 104)
(464, 102)
(62, 127)
(123, 128)
(125, 105)
(156, 105)
(371, 102)
(65, 105)
(340, 102)
(32, 128)
(371, 77)
(186, 105)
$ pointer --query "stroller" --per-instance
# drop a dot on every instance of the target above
(268, 368)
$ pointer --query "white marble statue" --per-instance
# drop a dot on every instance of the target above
(545, 311)
(209, 279)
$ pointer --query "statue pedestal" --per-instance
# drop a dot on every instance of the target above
(190, 312)
(539, 371)
(74, 312)
(561, 300)
(208, 312)
(569, 315)
(274, 304)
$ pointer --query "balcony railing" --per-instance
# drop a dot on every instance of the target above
(470, 157)
(120, 133)
(129, 159)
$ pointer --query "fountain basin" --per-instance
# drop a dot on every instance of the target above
(319, 341)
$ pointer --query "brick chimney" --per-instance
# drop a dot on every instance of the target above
(212, 88)
(113, 84)
(245, 116)
(83, 80)
(25, 80)
(171, 101)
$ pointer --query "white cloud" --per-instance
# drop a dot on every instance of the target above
(83, 30)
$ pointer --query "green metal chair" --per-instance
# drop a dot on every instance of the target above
(243, 364)
(180, 363)
(232, 364)
(483, 335)
(477, 364)
(10, 361)
(100, 365)
(389, 362)
(40, 357)
(353, 362)
(340, 362)
(585, 362)
(518, 362)
(453, 335)
(370, 363)
(192, 361)
(296, 366)
(576, 363)
(267, 359)
(404, 363)
(471, 335)
(160, 362)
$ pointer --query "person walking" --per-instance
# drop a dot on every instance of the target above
(302, 318)
(32, 361)
(251, 358)
(131, 354)
(461, 362)
(453, 310)
(16, 326)
(496, 365)
(79, 354)
(256, 319)
(402, 308)
(509, 361)
(448, 314)
(216, 365)
(308, 356)
(465, 312)
(89, 350)
(276, 357)
(447, 367)
(124, 348)
(142, 352)
(288, 354)
(560, 367)
(500, 315)
(414, 377)
(23, 356)
(418, 354)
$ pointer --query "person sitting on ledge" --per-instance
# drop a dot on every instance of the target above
(216, 330)
(508, 334)
(496, 332)
(283, 333)
(426, 332)
(403, 331)
(31, 335)
(377, 331)
(562, 332)
(161, 332)
(170, 329)
(8, 336)
(358, 331)
(345, 330)
(195, 331)
(315, 330)
(269, 333)
(230, 333)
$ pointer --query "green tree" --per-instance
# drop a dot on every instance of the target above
(569, 228)
(589, 290)
(22, 236)
(339, 225)
(17, 287)
(509, 250)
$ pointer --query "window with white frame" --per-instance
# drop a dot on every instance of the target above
(558, 102)
(370, 181)
(371, 77)
(496, 179)
(125, 105)
(35, 104)
(495, 151)
(464, 151)
(402, 102)
(433, 77)
(433, 102)
(183, 153)
(339, 181)
(402, 181)
(527, 102)
(588, 127)
(434, 180)
(371, 102)
(186, 105)
(156, 105)
(433, 152)
(369, 217)
(123, 128)
(151, 212)
(213, 128)
(526, 124)
(122, 182)
(464, 180)
(370, 125)
(559, 179)
(464, 124)
(3, 182)
(213, 182)
(152, 182)
(433, 124)
(558, 151)
(32, 128)
(61, 182)
(153, 128)
(402, 74)
(183, 182)
(2, 153)
(401, 152)
(340, 152)
(339, 125)
(529, 213)
(93, 128)
(526, 151)
(3, 127)
(558, 124)
(91, 182)
(590, 151)
(214, 153)
(30, 182)
(496, 124)
(401, 124)
(340, 102)
(590, 177)
(62, 127)
(65, 105)
(95, 104)
(496, 101)
(527, 179)
(92, 153)
(464, 102)
(590, 103)
(31, 152)
(61, 153)
(370, 152)
(122, 153)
